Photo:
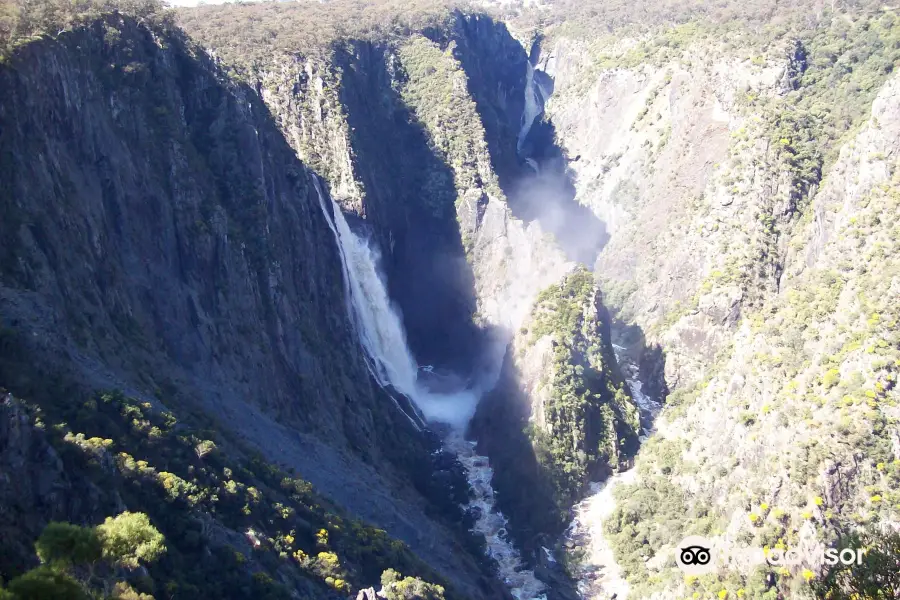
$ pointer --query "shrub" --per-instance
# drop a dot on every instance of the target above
(876, 577)
(67, 544)
(396, 587)
(46, 583)
(129, 540)
(831, 378)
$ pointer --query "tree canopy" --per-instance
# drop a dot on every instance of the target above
(69, 554)
(248, 34)
(22, 20)
(129, 540)
(875, 577)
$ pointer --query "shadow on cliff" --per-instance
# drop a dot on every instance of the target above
(410, 199)
(191, 265)
(642, 363)
(534, 173)
(523, 493)
(523, 486)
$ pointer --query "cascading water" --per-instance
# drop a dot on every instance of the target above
(492, 525)
(380, 330)
(534, 105)
(370, 310)
(645, 403)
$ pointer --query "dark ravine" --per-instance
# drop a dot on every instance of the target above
(409, 204)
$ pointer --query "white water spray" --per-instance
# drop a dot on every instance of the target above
(381, 335)
(492, 525)
(380, 330)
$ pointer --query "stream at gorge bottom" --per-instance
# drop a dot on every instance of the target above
(598, 574)
(522, 583)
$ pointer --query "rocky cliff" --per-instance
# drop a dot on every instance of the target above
(417, 137)
(560, 416)
(740, 213)
(164, 240)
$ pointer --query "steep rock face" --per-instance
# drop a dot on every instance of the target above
(817, 366)
(704, 160)
(684, 202)
(495, 65)
(163, 239)
(412, 136)
(418, 136)
(560, 416)
(87, 203)
(378, 162)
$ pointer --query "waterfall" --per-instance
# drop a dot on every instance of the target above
(534, 105)
(373, 316)
(380, 329)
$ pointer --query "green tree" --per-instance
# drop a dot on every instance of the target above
(129, 539)
(123, 591)
(396, 587)
(67, 544)
(45, 583)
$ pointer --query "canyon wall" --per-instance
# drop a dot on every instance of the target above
(746, 230)
(164, 240)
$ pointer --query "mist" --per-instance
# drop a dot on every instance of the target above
(544, 192)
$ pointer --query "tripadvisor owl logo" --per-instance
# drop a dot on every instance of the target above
(694, 555)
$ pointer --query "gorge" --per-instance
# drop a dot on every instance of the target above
(442, 301)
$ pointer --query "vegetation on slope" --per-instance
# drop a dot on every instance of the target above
(786, 433)
(588, 424)
(572, 18)
(435, 90)
(248, 35)
(836, 63)
(24, 20)
(235, 526)
(90, 562)
(835, 72)
(819, 366)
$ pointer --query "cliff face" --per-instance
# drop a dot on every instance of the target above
(743, 231)
(417, 136)
(155, 169)
(422, 144)
(194, 270)
(162, 238)
(681, 196)
(560, 416)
